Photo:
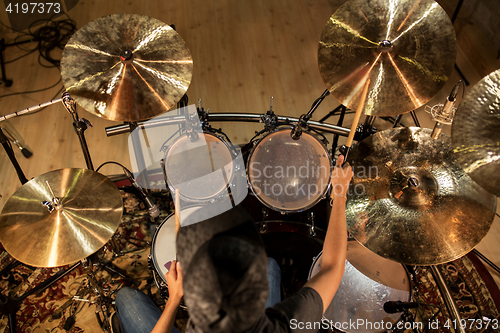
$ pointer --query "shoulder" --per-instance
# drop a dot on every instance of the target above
(301, 312)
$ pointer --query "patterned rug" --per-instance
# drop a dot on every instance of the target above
(56, 310)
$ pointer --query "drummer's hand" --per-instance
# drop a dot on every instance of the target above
(341, 177)
(174, 281)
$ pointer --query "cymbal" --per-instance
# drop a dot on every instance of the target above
(87, 215)
(407, 48)
(475, 133)
(409, 201)
(126, 67)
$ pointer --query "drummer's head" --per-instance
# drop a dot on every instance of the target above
(225, 282)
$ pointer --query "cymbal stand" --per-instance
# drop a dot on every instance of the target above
(103, 301)
(448, 299)
(368, 128)
(340, 121)
(415, 119)
(397, 121)
(80, 126)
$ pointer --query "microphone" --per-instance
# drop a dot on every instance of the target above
(296, 131)
(443, 114)
(153, 210)
(398, 306)
(25, 151)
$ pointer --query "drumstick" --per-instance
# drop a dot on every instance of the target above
(355, 122)
(177, 212)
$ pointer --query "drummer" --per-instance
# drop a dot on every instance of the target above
(222, 275)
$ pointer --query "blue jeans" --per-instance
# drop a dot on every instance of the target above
(138, 314)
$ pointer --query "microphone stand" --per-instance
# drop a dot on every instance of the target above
(302, 123)
(80, 125)
(12, 157)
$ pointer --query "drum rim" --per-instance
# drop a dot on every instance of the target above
(312, 203)
(411, 284)
(232, 152)
(153, 242)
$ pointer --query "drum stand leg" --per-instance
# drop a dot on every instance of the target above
(448, 299)
(9, 306)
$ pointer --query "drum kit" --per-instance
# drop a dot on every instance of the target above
(416, 198)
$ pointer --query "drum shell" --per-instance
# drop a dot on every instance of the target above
(360, 296)
(216, 189)
(288, 179)
(163, 250)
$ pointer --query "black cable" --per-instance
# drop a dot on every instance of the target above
(111, 162)
(20, 57)
(32, 91)
(497, 214)
(53, 35)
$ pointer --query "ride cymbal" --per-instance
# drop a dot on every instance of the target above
(475, 133)
(407, 48)
(411, 202)
(126, 67)
(85, 215)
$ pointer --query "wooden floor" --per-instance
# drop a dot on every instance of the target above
(244, 52)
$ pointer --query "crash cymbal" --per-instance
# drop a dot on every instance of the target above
(411, 202)
(407, 48)
(126, 67)
(475, 133)
(87, 214)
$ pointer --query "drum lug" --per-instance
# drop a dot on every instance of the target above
(263, 227)
(263, 224)
(150, 262)
(312, 229)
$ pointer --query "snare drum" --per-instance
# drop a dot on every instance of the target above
(163, 249)
(368, 282)
(289, 175)
(202, 170)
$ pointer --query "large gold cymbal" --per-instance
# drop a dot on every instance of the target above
(88, 214)
(475, 133)
(411, 202)
(407, 48)
(97, 73)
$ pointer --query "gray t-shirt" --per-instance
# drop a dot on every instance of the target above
(301, 312)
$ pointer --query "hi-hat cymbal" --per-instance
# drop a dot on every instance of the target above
(411, 202)
(87, 215)
(407, 48)
(475, 133)
(126, 67)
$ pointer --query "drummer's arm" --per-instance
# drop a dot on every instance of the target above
(174, 280)
(327, 280)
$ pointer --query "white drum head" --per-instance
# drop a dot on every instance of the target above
(163, 248)
(289, 175)
(369, 282)
(201, 169)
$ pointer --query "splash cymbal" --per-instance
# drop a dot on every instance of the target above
(85, 215)
(411, 202)
(475, 133)
(407, 48)
(126, 67)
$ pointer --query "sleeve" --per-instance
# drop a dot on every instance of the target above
(301, 312)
